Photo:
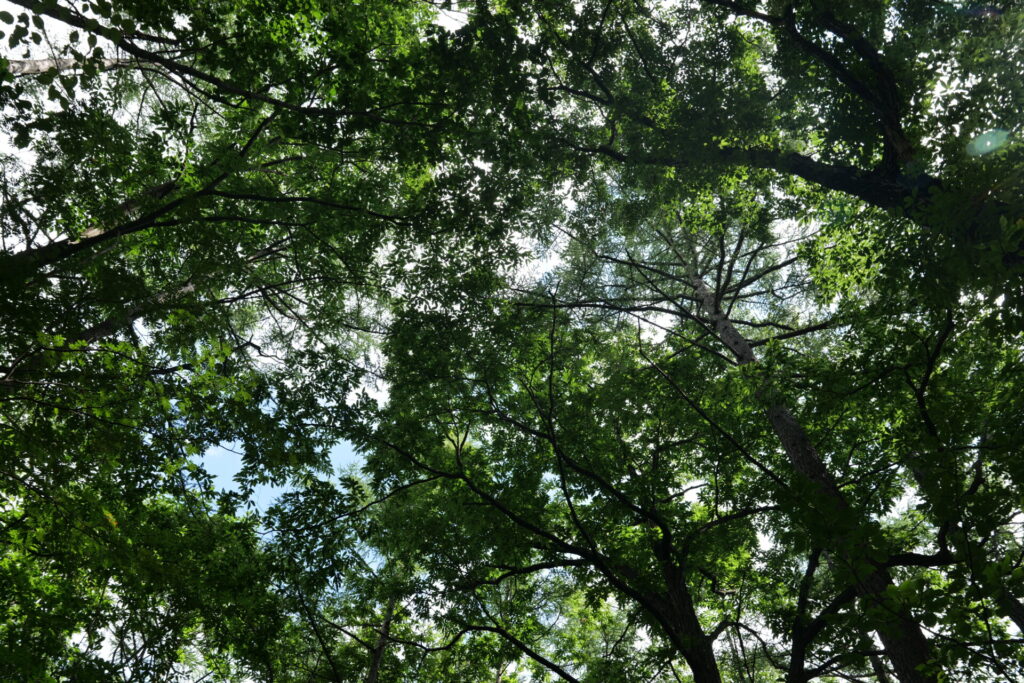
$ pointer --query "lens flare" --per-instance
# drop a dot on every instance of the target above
(987, 142)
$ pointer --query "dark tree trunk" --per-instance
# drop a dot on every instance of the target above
(377, 656)
(695, 646)
(905, 644)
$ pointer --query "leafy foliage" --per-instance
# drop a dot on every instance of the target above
(679, 341)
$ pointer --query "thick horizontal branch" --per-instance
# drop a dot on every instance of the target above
(34, 67)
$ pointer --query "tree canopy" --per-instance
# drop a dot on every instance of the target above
(678, 341)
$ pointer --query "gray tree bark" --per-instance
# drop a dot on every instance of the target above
(34, 67)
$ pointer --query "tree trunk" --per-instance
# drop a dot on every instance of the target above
(1011, 607)
(695, 646)
(904, 642)
(377, 656)
(879, 669)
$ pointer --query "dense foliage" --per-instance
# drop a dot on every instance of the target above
(679, 341)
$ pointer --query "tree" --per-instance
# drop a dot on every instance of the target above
(581, 412)
(758, 420)
(161, 247)
(897, 104)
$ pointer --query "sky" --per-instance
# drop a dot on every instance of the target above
(224, 463)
